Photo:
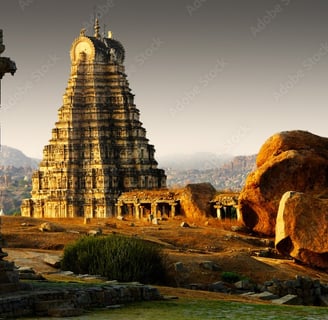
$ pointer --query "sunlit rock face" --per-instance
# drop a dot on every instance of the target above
(98, 147)
(288, 161)
(302, 228)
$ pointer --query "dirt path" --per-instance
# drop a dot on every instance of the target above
(31, 258)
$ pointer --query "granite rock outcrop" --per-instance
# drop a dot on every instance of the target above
(290, 160)
(302, 228)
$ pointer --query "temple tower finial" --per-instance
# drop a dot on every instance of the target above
(97, 29)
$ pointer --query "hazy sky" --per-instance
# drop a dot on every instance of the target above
(208, 75)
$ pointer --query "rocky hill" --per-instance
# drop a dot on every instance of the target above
(15, 178)
(229, 175)
(198, 160)
(11, 157)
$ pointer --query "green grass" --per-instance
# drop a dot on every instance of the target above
(205, 310)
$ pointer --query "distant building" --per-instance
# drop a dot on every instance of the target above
(98, 147)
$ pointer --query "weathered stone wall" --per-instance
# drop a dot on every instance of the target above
(309, 291)
(72, 301)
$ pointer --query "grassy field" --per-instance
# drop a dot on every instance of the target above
(206, 310)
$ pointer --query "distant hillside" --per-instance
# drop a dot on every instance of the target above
(230, 175)
(223, 172)
(15, 178)
(198, 160)
(16, 158)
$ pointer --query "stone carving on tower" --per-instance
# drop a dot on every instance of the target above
(98, 147)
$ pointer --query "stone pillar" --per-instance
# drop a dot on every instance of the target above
(154, 207)
(164, 210)
(130, 209)
(9, 280)
(6, 65)
(238, 213)
(137, 210)
(173, 212)
(218, 211)
(119, 206)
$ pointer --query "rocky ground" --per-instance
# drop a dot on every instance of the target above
(204, 240)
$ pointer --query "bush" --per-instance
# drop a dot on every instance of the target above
(230, 277)
(116, 257)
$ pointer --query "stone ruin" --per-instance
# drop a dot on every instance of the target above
(226, 205)
(193, 201)
(148, 204)
(9, 280)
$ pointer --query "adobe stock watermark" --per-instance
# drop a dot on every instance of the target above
(35, 77)
(269, 16)
(296, 77)
(194, 6)
(99, 12)
(141, 58)
(196, 89)
(25, 3)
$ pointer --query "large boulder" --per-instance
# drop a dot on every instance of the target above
(291, 160)
(195, 200)
(302, 228)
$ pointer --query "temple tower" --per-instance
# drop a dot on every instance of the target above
(98, 147)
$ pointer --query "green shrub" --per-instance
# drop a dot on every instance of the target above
(230, 277)
(116, 257)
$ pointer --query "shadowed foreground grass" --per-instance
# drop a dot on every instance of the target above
(206, 310)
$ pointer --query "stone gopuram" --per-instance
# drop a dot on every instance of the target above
(98, 147)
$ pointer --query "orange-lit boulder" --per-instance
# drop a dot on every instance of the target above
(302, 228)
(291, 160)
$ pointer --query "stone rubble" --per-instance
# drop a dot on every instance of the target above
(301, 290)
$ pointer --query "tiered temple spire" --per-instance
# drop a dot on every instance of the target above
(98, 147)
(97, 29)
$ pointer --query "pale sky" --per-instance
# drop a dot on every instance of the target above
(216, 76)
